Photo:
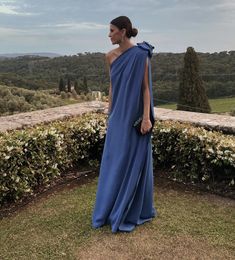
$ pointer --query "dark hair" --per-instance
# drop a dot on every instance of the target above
(124, 22)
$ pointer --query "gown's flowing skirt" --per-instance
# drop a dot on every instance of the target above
(124, 196)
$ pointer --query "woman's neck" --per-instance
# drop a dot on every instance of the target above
(125, 45)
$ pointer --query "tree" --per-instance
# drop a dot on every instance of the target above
(69, 85)
(192, 94)
(84, 85)
(61, 85)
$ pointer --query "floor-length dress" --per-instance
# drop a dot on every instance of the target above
(124, 196)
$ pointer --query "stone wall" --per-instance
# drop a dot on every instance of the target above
(209, 121)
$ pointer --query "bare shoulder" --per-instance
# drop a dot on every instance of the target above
(108, 56)
(111, 55)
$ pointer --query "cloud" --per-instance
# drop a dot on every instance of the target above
(10, 8)
(7, 1)
(74, 26)
(5, 9)
(145, 30)
(6, 32)
(226, 5)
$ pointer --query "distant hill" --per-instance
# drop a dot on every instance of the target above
(89, 70)
(41, 54)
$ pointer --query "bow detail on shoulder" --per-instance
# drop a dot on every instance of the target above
(146, 46)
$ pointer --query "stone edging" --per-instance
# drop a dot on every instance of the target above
(223, 123)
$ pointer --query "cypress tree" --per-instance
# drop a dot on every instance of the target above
(192, 94)
(69, 85)
(61, 85)
(85, 86)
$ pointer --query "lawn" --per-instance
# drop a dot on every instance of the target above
(219, 105)
(190, 225)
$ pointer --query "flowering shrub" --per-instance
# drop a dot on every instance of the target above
(195, 154)
(37, 155)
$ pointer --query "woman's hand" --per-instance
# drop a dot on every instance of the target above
(145, 126)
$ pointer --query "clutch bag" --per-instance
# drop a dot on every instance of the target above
(137, 125)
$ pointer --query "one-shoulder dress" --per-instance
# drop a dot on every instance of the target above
(124, 196)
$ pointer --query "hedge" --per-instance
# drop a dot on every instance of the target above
(37, 155)
(196, 155)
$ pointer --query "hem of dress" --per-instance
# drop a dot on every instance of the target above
(132, 226)
(122, 227)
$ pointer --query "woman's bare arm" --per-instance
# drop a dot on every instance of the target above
(146, 123)
(146, 94)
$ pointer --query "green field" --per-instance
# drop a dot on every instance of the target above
(219, 105)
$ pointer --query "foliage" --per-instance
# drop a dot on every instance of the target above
(192, 95)
(217, 72)
(13, 100)
(61, 85)
(195, 154)
(69, 85)
(37, 155)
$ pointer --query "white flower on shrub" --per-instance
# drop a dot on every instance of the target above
(9, 148)
(210, 150)
(54, 166)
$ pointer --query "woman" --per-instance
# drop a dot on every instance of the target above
(124, 195)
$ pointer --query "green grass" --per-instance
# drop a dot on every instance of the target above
(222, 104)
(59, 227)
(219, 105)
(169, 106)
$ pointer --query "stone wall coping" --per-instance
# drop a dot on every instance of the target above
(223, 123)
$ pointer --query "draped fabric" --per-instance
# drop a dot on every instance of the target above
(124, 196)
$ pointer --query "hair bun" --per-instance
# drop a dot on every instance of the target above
(134, 32)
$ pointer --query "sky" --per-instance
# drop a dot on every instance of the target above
(74, 26)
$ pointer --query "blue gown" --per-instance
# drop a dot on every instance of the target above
(124, 196)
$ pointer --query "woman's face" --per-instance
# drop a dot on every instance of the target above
(115, 34)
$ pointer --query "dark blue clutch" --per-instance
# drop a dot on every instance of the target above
(137, 125)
